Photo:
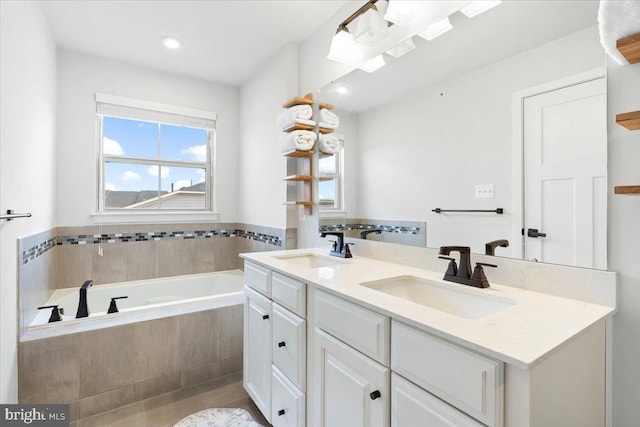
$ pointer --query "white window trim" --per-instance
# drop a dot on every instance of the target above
(340, 209)
(104, 216)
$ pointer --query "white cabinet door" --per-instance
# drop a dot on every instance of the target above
(257, 350)
(411, 406)
(289, 345)
(350, 390)
(287, 404)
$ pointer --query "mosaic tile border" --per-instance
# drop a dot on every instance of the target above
(91, 239)
(36, 251)
(386, 228)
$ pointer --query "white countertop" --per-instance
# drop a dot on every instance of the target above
(521, 335)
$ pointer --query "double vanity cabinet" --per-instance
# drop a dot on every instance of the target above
(315, 355)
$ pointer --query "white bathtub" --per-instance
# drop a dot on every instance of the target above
(147, 300)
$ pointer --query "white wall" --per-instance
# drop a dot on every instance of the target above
(27, 156)
(402, 174)
(80, 76)
(624, 238)
(261, 189)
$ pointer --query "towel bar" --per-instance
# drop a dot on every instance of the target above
(11, 215)
(498, 211)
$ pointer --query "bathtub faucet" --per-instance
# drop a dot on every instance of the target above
(83, 310)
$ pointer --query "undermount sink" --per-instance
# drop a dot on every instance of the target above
(310, 260)
(467, 303)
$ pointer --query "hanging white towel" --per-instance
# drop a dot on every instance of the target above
(297, 140)
(328, 119)
(617, 19)
(296, 114)
(329, 144)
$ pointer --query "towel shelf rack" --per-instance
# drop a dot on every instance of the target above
(12, 215)
(498, 211)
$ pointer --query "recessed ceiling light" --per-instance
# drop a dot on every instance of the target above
(341, 90)
(171, 42)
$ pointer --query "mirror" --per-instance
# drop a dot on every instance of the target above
(506, 111)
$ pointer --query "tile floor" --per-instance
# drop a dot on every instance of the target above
(167, 409)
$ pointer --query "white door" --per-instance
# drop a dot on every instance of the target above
(412, 406)
(350, 390)
(257, 350)
(565, 167)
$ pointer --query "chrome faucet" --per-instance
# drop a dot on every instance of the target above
(83, 310)
(339, 248)
(463, 274)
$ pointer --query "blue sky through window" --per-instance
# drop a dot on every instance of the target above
(134, 138)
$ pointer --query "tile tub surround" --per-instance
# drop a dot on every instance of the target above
(37, 279)
(36, 245)
(132, 252)
(102, 370)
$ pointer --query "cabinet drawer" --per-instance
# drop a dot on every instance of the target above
(289, 293)
(289, 345)
(360, 328)
(466, 380)
(411, 406)
(258, 278)
(288, 403)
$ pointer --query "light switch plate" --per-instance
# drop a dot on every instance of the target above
(484, 191)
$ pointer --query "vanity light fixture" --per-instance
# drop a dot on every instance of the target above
(343, 46)
(371, 26)
(373, 64)
(401, 48)
(437, 29)
(477, 7)
(171, 42)
(427, 19)
(401, 12)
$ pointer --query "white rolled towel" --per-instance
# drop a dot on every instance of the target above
(617, 19)
(328, 119)
(329, 144)
(297, 140)
(296, 114)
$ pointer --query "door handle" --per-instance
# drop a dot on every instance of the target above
(533, 232)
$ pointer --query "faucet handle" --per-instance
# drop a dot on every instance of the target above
(55, 313)
(452, 269)
(479, 276)
(484, 264)
(334, 247)
(346, 251)
(113, 307)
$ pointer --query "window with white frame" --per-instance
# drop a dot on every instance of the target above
(154, 157)
(330, 182)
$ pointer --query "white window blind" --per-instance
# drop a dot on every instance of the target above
(130, 108)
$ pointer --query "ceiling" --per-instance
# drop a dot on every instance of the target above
(223, 41)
